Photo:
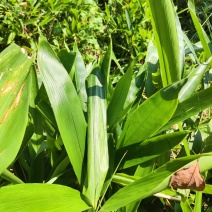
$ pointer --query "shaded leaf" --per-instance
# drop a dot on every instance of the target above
(117, 101)
(148, 149)
(191, 106)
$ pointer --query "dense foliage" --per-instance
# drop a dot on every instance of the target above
(102, 102)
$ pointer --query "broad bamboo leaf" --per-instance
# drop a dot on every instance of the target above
(98, 160)
(191, 106)
(80, 76)
(148, 149)
(142, 170)
(194, 79)
(40, 197)
(167, 41)
(150, 116)
(202, 35)
(65, 103)
(154, 182)
(117, 101)
(14, 100)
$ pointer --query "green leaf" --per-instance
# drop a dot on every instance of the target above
(117, 101)
(198, 201)
(150, 116)
(154, 182)
(166, 39)
(65, 103)
(152, 66)
(11, 177)
(185, 205)
(194, 80)
(98, 160)
(105, 67)
(208, 189)
(190, 47)
(67, 59)
(14, 100)
(181, 43)
(202, 35)
(191, 106)
(148, 149)
(80, 76)
(129, 23)
(59, 169)
(40, 197)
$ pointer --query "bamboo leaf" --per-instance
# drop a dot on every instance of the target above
(190, 47)
(80, 76)
(129, 23)
(185, 206)
(198, 201)
(11, 177)
(167, 41)
(202, 35)
(181, 43)
(14, 101)
(154, 182)
(65, 103)
(194, 79)
(148, 149)
(117, 101)
(40, 197)
(98, 160)
(191, 106)
(150, 116)
(105, 67)
(67, 59)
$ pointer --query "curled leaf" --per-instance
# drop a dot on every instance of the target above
(188, 178)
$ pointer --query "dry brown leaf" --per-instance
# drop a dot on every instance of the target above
(188, 178)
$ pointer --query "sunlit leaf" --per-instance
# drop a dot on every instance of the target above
(40, 197)
(150, 116)
(98, 161)
(14, 101)
(65, 103)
